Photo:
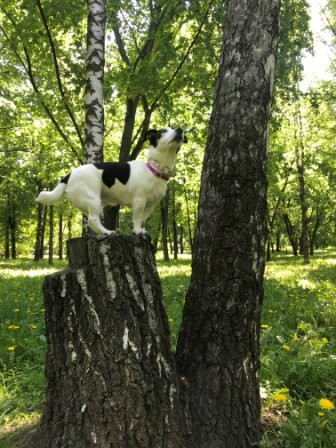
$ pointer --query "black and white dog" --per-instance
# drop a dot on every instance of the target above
(136, 184)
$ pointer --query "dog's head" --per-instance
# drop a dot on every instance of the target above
(166, 137)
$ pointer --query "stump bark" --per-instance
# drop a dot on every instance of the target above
(111, 378)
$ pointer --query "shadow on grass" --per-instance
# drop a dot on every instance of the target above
(27, 264)
(19, 435)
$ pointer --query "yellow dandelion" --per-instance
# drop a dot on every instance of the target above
(33, 326)
(171, 320)
(13, 327)
(295, 338)
(286, 347)
(326, 404)
(17, 310)
(11, 348)
(321, 414)
(264, 326)
(280, 397)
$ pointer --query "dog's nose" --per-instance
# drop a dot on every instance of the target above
(180, 134)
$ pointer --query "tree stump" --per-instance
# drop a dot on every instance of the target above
(111, 378)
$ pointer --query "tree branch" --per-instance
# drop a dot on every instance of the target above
(153, 27)
(13, 49)
(275, 211)
(45, 106)
(28, 69)
(142, 129)
(332, 29)
(192, 43)
(57, 72)
(120, 43)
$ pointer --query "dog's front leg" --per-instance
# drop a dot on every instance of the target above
(138, 207)
(148, 211)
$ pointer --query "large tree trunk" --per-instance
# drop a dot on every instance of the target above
(218, 346)
(111, 377)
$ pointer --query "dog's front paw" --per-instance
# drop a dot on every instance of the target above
(110, 232)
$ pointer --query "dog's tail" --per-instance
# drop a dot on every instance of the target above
(51, 197)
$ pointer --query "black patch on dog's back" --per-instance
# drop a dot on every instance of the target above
(113, 171)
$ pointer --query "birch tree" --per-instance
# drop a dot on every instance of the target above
(94, 95)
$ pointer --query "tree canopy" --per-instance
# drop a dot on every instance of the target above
(161, 63)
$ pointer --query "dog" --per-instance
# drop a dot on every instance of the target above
(136, 184)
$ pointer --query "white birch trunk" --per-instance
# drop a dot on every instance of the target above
(94, 100)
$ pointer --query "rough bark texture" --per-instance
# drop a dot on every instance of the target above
(110, 370)
(218, 347)
(94, 98)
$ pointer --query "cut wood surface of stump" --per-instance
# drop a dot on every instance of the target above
(111, 378)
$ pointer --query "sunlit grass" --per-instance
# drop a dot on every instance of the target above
(298, 348)
(10, 273)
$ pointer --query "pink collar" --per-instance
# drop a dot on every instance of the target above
(156, 172)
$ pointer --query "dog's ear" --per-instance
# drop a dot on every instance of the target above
(149, 134)
(152, 136)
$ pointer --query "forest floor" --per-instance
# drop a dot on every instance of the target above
(298, 347)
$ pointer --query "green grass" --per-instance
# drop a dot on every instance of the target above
(298, 344)
(298, 361)
(22, 340)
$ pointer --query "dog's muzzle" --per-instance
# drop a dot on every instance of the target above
(179, 136)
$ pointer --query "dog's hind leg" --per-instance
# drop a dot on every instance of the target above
(95, 225)
(94, 220)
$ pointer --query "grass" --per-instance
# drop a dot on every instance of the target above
(298, 341)
(22, 345)
(298, 361)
